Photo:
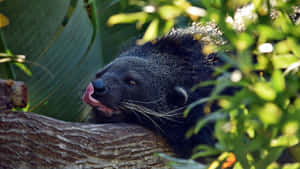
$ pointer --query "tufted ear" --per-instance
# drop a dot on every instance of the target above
(178, 96)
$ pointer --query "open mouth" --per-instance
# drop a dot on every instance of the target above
(88, 99)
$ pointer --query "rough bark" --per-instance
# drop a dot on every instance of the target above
(30, 140)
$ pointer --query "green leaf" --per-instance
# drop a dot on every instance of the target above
(267, 32)
(296, 31)
(208, 118)
(223, 82)
(283, 22)
(169, 12)
(238, 165)
(152, 31)
(264, 91)
(273, 165)
(168, 25)
(127, 18)
(284, 60)
(282, 47)
(272, 155)
(262, 62)
(33, 25)
(244, 41)
(194, 104)
(294, 45)
(204, 151)
(278, 82)
(58, 50)
(291, 166)
(285, 141)
(291, 127)
(269, 113)
(178, 163)
(24, 68)
(123, 3)
(62, 49)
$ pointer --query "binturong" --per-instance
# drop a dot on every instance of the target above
(150, 85)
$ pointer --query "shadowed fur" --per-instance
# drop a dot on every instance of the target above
(150, 85)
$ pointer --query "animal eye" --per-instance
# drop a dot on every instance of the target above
(130, 82)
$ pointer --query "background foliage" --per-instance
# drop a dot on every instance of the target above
(63, 49)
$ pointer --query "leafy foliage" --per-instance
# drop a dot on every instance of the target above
(42, 32)
(58, 50)
(264, 113)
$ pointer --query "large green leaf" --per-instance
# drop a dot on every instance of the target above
(33, 24)
(56, 37)
(63, 50)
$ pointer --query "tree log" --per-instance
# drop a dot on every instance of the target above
(29, 140)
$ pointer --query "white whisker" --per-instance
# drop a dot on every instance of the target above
(167, 116)
(144, 102)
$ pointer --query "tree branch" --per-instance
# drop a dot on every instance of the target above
(30, 140)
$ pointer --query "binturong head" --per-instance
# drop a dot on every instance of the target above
(150, 85)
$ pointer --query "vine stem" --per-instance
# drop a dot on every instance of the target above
(9, 65)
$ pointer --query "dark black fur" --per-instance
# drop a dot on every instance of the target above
(147, 75)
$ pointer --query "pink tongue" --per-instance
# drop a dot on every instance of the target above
(88, 99)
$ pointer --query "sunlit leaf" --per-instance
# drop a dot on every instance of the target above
(264, 91)
(273, 165)
(168, 12)
(283, 22)
(268, 33)
(282, 47)
(284, 60)
(285, 141)
(262, 62)
(152, 31)
(278, 81)
(204, 150)
(291, 166)
(291, 127)
(24, 68)
(182, 3)
(244, 41)
(269, 113)
(238, 165)
(168, 26)
(127, 18)
(3, 21)
(195, 12)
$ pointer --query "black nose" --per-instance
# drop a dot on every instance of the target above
(99, 87)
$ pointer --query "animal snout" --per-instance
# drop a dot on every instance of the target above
(100, 88)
